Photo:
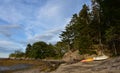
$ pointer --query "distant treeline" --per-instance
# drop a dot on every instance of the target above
(95, 28)
(40, 50)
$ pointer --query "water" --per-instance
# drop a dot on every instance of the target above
(15, 67)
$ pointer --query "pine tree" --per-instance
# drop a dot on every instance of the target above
(69, 33)
(28, 50)
(110, 18)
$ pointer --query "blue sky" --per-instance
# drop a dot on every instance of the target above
(28, 21)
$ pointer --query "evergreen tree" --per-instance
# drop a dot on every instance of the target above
(69, 33)
(97, 25)
(111, 10)
(28, 50)
(83, 38)
(110, 20)
(77, 32)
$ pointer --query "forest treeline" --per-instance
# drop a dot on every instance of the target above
(95, 28)
(40, 50)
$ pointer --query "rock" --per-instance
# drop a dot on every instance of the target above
(75, 56)
(111, 65)
(12, 58)
(71, 56)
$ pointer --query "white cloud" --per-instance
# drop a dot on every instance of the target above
(4, 55)
(48, 18)
(11, 26)
(6, 30)
(13, 17)
(47, 36)
(49, 11)
(9, 45)
(48, 32)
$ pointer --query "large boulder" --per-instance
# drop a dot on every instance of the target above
(71, 56)
(75, 56)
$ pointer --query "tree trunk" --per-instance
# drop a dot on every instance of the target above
(114, 47)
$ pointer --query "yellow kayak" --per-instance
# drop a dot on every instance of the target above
(95, 58)
(88, 60)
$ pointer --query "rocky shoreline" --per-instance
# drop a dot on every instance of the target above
(111, 65)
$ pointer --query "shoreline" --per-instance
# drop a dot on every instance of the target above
(111, 65)
(11, 66)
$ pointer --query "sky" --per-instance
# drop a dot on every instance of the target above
(29, 21)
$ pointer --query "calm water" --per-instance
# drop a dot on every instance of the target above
(15, 67)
